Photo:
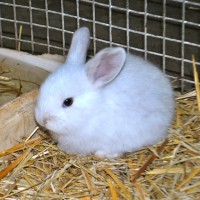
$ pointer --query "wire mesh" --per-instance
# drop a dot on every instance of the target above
(165, 32)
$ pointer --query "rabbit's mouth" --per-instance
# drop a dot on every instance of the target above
(55, 126)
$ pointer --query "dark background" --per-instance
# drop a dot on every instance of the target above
(173, 54)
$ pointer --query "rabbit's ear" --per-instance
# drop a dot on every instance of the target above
(79, 46)
(105, 65)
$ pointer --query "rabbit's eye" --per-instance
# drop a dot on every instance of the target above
(68, 102)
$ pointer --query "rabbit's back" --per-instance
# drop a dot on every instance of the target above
(141, 104)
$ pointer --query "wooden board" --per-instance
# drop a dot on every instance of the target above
(17, 119)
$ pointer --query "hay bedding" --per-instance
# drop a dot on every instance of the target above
(37, 169)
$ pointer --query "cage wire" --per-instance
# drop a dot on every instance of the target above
(165, 32)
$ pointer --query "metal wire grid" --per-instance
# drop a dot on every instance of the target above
(74, 15)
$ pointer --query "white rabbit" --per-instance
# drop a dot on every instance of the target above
(114, 103)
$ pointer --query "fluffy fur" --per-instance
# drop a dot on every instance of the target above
(121, 102)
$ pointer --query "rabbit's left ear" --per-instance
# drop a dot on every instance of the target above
(105, 65)
(79, 46)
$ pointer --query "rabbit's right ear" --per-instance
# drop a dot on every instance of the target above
(79, 46)
(105, 65)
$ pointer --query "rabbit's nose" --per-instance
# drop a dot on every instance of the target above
(42, 120)
(45, 121)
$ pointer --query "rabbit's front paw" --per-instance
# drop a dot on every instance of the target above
(105, 154)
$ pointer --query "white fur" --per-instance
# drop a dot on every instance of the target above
(111, 114)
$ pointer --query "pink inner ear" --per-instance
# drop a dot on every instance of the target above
(106, 68)
(106, 65)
